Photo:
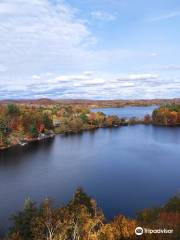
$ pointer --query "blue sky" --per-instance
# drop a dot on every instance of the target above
(96, 49)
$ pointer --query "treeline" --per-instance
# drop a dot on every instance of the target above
(168, 115)
(165, 217)
(19, 123)
(81, 219)
(78, 119)
(25, 123)
(93, 103)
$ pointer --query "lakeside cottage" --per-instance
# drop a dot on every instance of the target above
(56, 122)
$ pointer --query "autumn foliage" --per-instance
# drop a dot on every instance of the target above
(27, 122)
(81, 219)
(168, 115)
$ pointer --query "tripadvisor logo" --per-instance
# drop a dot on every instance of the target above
(139, 231)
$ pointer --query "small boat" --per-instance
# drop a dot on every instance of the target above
(23, 143)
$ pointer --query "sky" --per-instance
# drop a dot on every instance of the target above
(89, 49)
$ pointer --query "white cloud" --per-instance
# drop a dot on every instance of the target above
(44, 37)
(164, 17)
(42, 44)
(93, 85)
(40, 35)
(147, 76)
(154, 54)
(36, 77)
(103, 16)
(171, 67)
(141, 76)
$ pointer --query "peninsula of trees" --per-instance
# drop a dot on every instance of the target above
(23, 123)
(20, 124)
(167, 115)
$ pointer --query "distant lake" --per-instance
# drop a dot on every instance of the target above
(125, 169)
(127, 112)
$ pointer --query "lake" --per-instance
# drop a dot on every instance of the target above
(127, 112)
(125, 169)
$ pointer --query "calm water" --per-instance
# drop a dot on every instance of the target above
(127, 112)
(126, 169)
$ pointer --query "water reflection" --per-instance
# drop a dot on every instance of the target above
(15, 155)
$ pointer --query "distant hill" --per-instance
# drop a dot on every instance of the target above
(41, 101)
(93, 103)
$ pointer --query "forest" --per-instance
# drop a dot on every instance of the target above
(82, 219)
(20, 124)
(167, 115)
(24, 123)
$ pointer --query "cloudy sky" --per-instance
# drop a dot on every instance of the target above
(96, 49)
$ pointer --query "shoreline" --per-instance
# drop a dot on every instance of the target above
(26, 142)
(74, 121)
(29, 141)
(54, 134)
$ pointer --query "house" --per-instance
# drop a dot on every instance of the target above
(56, 122)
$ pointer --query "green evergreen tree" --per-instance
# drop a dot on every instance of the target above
(47, 121)
(23, 220)
(33, 131)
